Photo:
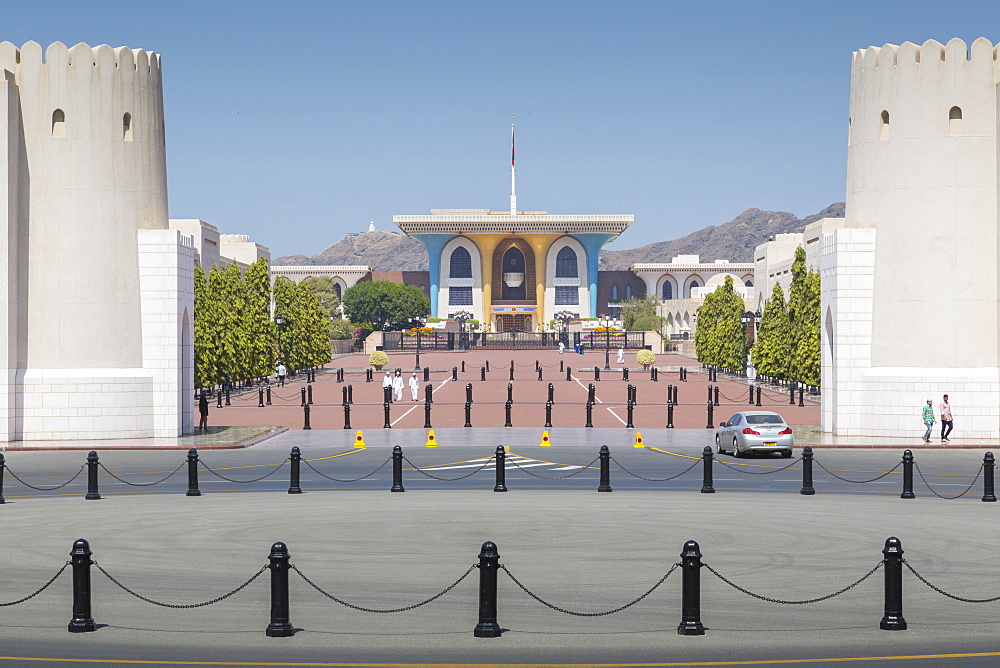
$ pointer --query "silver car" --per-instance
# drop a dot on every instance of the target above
(754, 431)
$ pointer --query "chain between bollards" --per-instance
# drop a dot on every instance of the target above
(501, 470)
(296, 459)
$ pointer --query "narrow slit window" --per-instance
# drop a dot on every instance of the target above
(127, 127)
(884, 132)
(955, 122)
(59, 124)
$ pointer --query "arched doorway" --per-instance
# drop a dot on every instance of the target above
(513, 282)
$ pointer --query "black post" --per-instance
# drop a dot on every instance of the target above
(489, 565)
(427, 415)
(907, 476)
(510, 392)
(552, 390)
(758, 395)
(710, 394)
(511, 375)
(537, 365)
(350, 394)
(591, 392)
(501, 476)
(988, 468)
(454, 373)
(791, 393)
(605, 484)
(691, 591)
(416, 363)
(385, 408)
(676, 388)
(427, 373)
(193, 473)
(347, 416)
(670, 415)
(590, 414)
(561, 369)
(670, 393)
(628, 408)
(539, 373)
(683, 375)
(569, 372)
(309, 393)
(428, 394)
(892, 564)
(296, 459)
(260, 397)
(487, 366)
(228, 396)
(468, 393)
(79, 558)
(218, 398)
(482, 373)
(93, 494)
(303, 393)
(711, 411)
(340, 375)
(507, 422)
(750, 400)
(397, 469)
(463, 366)
(597, 373)
(343, 395)
(624, 373)
(305, 416)
(267, 401)
(2, 466)
(706, 476)
(807, 472)
(654, 375)
(716, 395)
(468, 414)
(801, 392)
(280, 626)
(369, 375)
(548, 413)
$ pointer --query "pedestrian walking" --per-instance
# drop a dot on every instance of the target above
(397, 387)
(414, 386)
(621, 356)
(946, 420)
(203, 411)
(928, 418)
(281, 372)
(562, 347)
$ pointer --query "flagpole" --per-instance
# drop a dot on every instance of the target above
(513, 189)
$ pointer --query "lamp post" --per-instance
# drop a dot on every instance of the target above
(747, 320)
(607, 341)
(563, 317)
(279, 322)
(463, 338)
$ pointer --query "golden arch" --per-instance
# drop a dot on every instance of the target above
(529, 267)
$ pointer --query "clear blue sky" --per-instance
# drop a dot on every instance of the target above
(297, 122)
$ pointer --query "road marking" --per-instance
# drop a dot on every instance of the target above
(616, 415)
(587, 388)
(413, 408)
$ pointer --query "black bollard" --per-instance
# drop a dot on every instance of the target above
(710, 394)
(296, 460)
(267, 401)
(468, 414)
(228, 397)
(93, 494)
(482, 373)
(489, 565)
(807, 472)
(683, 375)
(193, 473)
(605, 484)
(428, 394)
(397, 469)
(387, 395)
(454, 373)
(511, 376)
(512, 366)
(801, 391)
(487, 366)
(590, 414)
(280, 626)
(537, 365)
(552, 391)
(539, 373)
(343, 395)
(548, 413)
(218, 398)
(427, 415)
(350, 394)
(385, 408)
(347, 416)
(260, 397)
(569, 373)
(368, 375)
(501, 483)
(305, 416)
(2, 467)
(303, 397)
(79, 558)
(510, 392)
(691, 591)
(340, 375)
(750, 400)
(670, 415)
(892, 564)
(463, 366)
(758, 395)
(791, 393)
(706, 475)
(427, 373)
(676, 388)
(716, 395)
(591, 393)
(628, 407)
(416, 361)
(711, 412)
(561, 366)
(654, 374)
(670, 393)
(468, 393)
(309, 394)
(597, 373)
(507, 422)
(907, 476)
(988, 468)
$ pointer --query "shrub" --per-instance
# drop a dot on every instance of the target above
(645, 358)
(647, 323)
(378, 359)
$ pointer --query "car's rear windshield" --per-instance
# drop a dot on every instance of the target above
(764, 419)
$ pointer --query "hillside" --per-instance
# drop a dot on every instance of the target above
(735, 241)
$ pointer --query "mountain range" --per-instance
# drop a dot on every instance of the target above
(734, 241)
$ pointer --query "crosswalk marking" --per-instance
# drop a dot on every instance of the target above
(512, 462)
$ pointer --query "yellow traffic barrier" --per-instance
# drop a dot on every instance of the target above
(545, 440)
(359, 440)
(638, 440)
(431, 443)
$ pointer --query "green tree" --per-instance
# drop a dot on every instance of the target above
(206, 363)
(798, 310)
(256, 320)
(806, 358)
(305, 332)
(385, 303)
(705, 339)
(772, 350)
(719, 336)
(633, 310)
(226, 286)
(323, 288)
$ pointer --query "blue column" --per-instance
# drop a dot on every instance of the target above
(434, 243)
(592, 242)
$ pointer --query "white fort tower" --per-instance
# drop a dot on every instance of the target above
(96, 301)
(910, 285)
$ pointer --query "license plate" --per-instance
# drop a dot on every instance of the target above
(770, 445)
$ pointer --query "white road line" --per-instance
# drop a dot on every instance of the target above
(588, 389)
(567, 468)
(616, 416)
(413, 408)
